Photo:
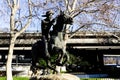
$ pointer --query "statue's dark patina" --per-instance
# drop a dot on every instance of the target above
(52, 45)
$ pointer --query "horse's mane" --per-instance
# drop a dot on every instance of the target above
(58, 27)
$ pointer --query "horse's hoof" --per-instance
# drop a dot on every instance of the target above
(59, 64)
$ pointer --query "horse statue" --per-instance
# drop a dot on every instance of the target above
(56, 45)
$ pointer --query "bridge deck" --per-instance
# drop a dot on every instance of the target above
(84, 41)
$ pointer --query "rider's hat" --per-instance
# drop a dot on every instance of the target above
(48, 13)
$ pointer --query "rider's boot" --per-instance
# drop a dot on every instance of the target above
(46, 50)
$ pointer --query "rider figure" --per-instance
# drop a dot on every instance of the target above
(46, 24)
(45, 28)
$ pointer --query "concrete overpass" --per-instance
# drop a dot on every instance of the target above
(79, 40)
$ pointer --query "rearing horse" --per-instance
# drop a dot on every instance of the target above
(57, 35)
(55, 45)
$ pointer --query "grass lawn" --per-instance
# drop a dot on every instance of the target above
(97, 79)
(90, 79)
(25, 78)
(15, 78)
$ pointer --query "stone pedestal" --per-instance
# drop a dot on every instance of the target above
(63, 76)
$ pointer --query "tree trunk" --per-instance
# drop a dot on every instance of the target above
(14, 6)
(9, 59)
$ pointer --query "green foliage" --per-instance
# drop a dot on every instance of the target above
(73, 59)
(84, 63)
(77, 60)
(42, 63)
(54, 58)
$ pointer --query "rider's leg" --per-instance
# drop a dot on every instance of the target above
(46, 47)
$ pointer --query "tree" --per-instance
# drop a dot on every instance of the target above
(14, 6)
(93, 15)
(101, 13)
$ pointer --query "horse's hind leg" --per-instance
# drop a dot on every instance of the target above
(59, 61)
(51, 67)
(62, 59)
(66, 57)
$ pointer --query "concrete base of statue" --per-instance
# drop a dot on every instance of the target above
(62, 76)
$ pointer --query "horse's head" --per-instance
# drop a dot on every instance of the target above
(61, 19)
(65, 19)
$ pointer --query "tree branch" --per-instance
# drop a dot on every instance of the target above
(84, 25)
(67, 6)
(9, 3)
(29, 19)
(74, 5)
(80, 11)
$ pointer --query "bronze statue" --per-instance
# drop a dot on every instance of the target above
(54, 44)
